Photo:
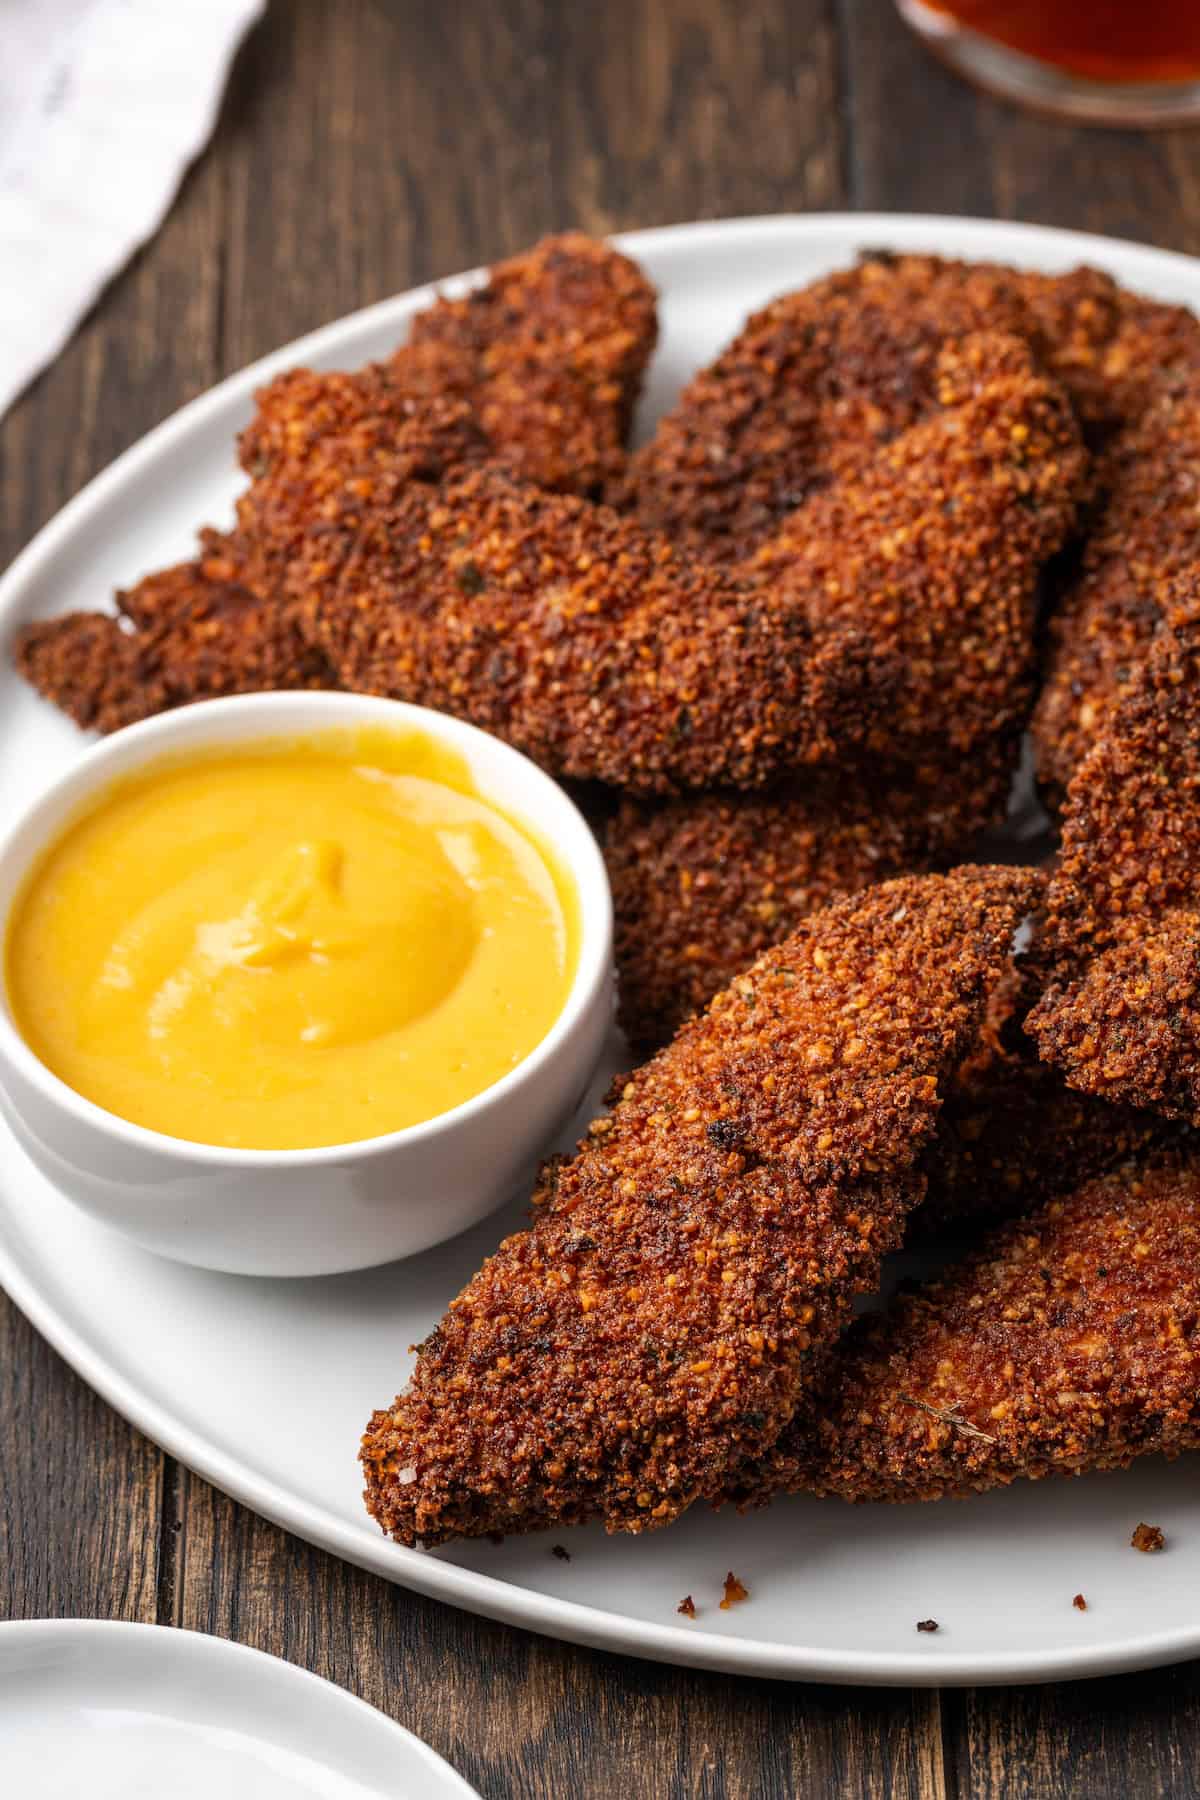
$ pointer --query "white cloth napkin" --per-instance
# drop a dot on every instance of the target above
(103, 104)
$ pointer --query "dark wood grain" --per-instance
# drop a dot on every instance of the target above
(923, 141)
(522, 1716)
(364, 147)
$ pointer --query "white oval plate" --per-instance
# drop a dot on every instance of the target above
(133, 1712)
(263, 1386)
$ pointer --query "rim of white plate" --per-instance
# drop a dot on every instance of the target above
(203, 1646)
(1159, 270)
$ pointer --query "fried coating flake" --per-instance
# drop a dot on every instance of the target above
(652, 1330)
(818, 380)
(192, 632)
(702, 885)
(1146, 533)
(601, 652)
(549, 354)
(1120, 1013)
(1067, 1343)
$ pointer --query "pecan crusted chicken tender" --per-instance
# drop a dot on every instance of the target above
(1120, 1014)
(704, 884)
(191, 632)
(1146, 532)
(543, 362)
(542, 365)
(898, 609)
(651, 1331)
(601, 652)
(1011, 1133)
(314, 435)
(934, 552)
(1066, 1343)
(818, 380)
(549, 353)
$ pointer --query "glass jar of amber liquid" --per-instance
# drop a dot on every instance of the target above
(1106, 62)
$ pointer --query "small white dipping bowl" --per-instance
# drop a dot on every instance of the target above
(344, 1206)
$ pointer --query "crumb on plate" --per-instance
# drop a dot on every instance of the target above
(735, 1592)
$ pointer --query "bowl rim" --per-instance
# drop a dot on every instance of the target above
(263, 715)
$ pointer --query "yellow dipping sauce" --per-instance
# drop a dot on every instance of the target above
(292, 943)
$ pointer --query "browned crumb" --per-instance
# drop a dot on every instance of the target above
(654, 1328)
(703, 884)
(927, 1625)
(735, 1592)
(1147, 531)
(1065, 1343)
(687, 1606)
(1120, 1014)
(1079, 1603)
(191, 632)
(1148, 1538)
(561, 1552)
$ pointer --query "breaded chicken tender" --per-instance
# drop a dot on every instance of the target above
(191, 632)
(548, 354)
(934, 552)
(542, 364)
(653, 1329)
(1011, 1134)
(1067, 1343)
(1146, 532)
(315, 435)
(1120, 1014)
(601, 652)
(818, 380)
(896, 610)
(702, 885)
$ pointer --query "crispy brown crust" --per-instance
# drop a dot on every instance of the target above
(1011, 1133)
(934, 552)
(549, 354)
(1119, 1014)
(1147, 531)
(196, 634)
(1067, 1343)
(543, 362)
(652, 1329)
(703, 885)
(897, 609)
(817, 381)
(314, 435)
(562, 628)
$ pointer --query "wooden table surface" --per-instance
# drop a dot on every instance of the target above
(363, 148)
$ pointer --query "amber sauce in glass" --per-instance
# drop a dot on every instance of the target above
(1105, 40)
